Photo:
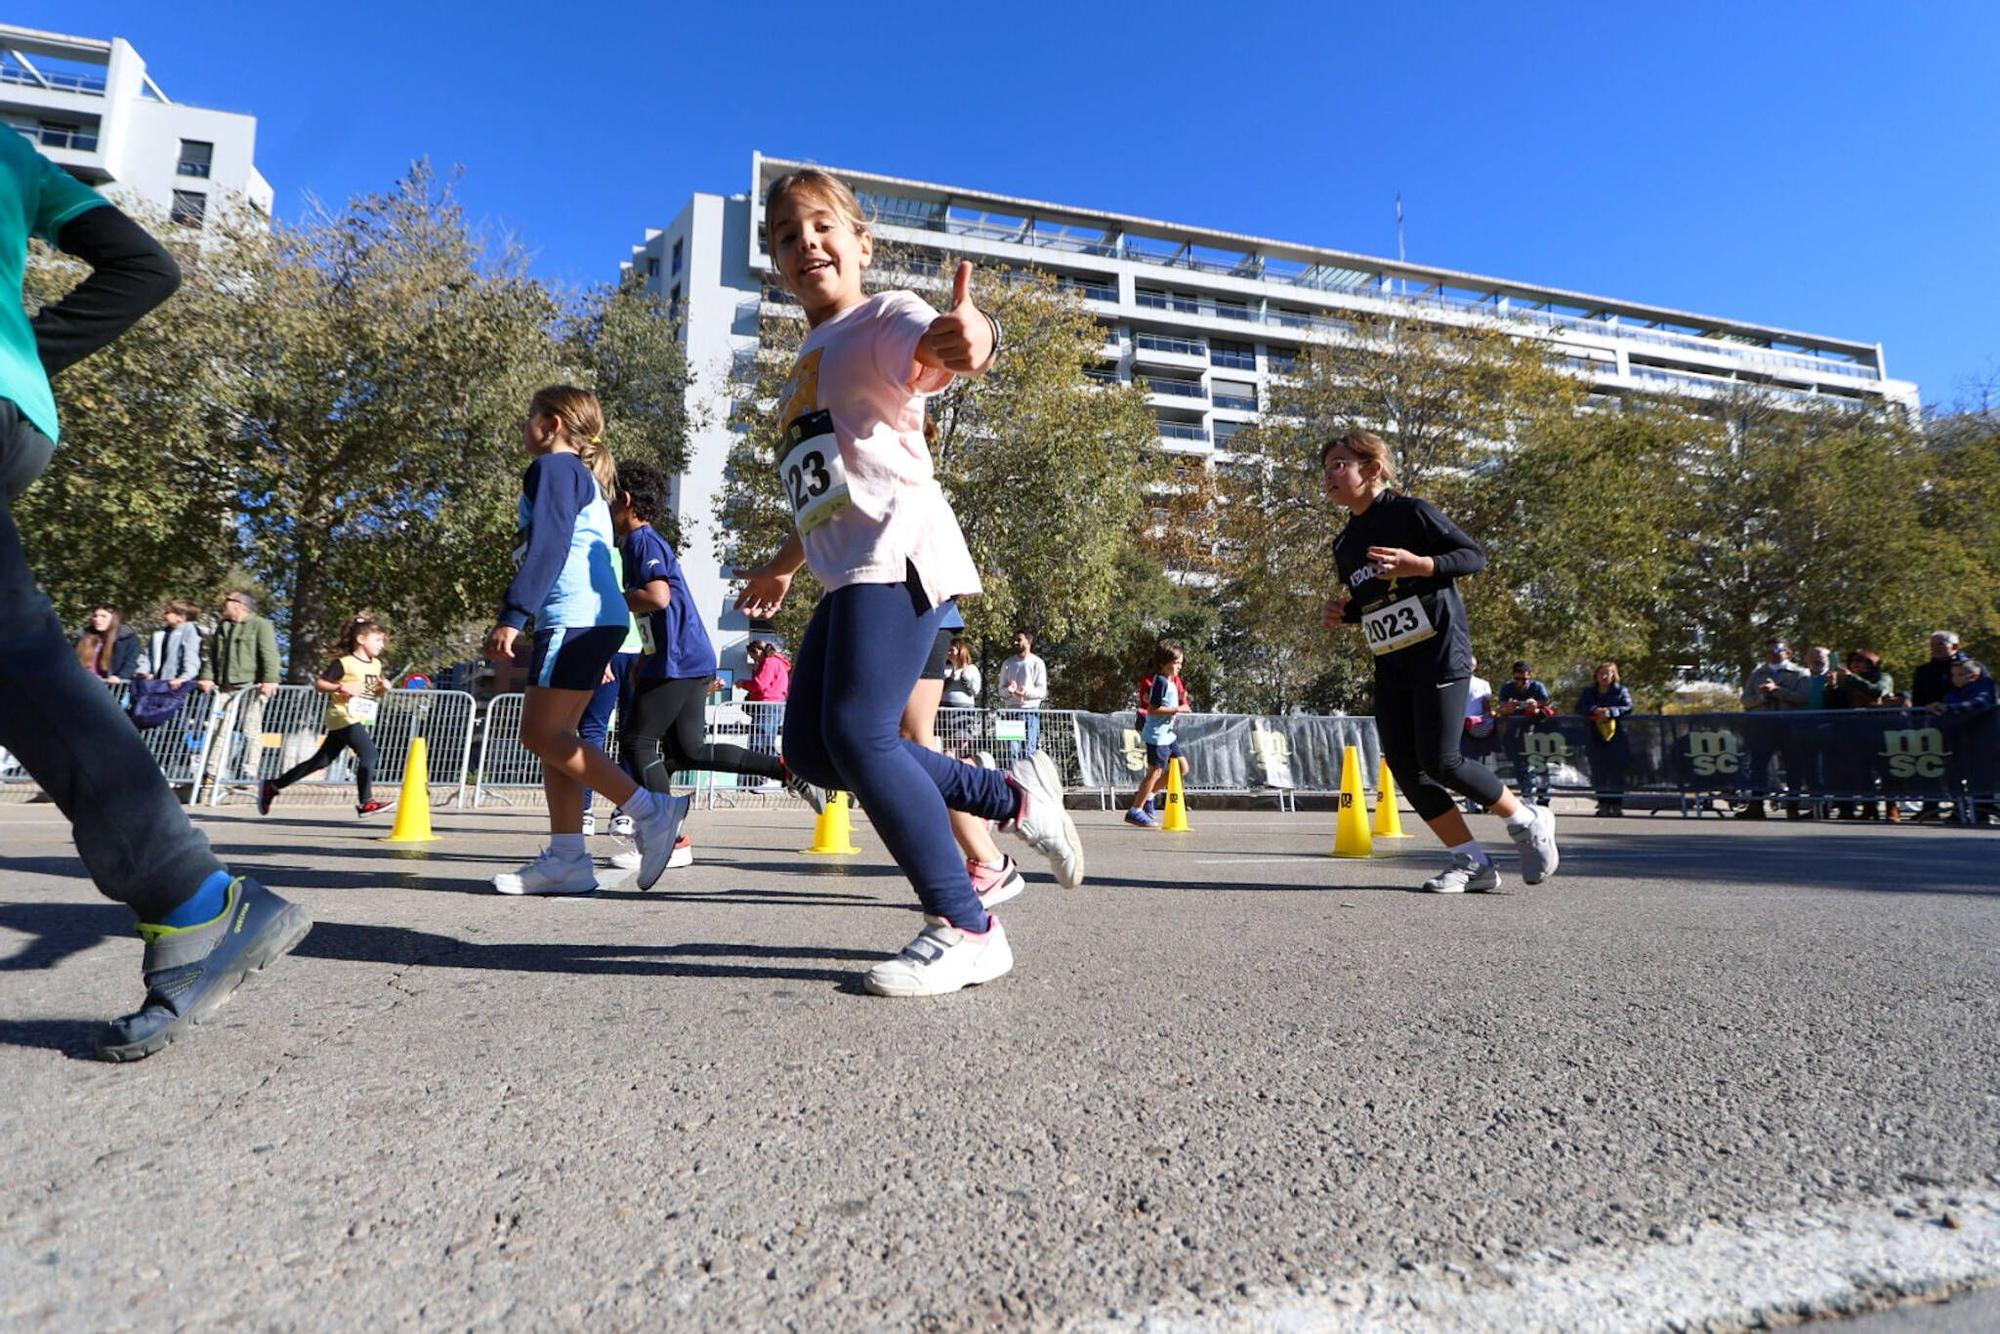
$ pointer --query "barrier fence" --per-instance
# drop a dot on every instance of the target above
(262, 738)
(216, 746)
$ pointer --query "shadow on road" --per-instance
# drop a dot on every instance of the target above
(72, 1037)
(57, 931)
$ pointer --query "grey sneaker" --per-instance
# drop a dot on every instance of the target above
(1465, 875)
(1537, 843)
(810, 793)
(1043, 823)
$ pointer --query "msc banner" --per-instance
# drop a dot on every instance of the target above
(1844, 754)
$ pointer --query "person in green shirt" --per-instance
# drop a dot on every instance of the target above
(205, 929)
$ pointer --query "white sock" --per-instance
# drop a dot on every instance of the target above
(1521, 818)
(1471, 848)
(993, 866)
(566, 845)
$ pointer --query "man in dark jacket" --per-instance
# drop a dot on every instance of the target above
(1929, 684)
(205, 930)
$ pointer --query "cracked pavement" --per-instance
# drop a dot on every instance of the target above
(1229, 1075)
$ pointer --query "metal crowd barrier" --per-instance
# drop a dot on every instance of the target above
(262, 738)
(176, 745)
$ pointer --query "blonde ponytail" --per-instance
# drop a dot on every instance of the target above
(581, 418)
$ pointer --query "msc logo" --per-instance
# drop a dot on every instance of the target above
(1714, 753)
(1135, 751)
(1914, 752)
(1545, 751)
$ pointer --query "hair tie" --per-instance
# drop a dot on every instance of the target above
(597, 440)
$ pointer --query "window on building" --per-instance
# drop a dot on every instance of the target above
(189, 208)
(1235, 356)
(1225, 429)
(677, 256)
(196, 158)
(652, 266)
(1230, 309)
(674, 303)
(1237, 397)
(1281, 361)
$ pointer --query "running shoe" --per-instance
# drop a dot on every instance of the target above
(621, 825)
(995, 884)
(1466, 874)
(370, 807)
(1141, 817)
(1537, 843)
(589, 824)
(1042, 821)
(986, 760)
(657, 836)
(549, 873)
(190, 971)
(626, 858)
(267, 792)
(942, 959)
(810, 793)
(683, 853)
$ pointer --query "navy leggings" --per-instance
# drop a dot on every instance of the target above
(858, 662)
(596, 721)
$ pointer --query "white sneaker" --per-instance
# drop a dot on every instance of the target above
(656, 836)
(683, 854)
(589, 824)
(626, 858)
(1466, 874)
(549, 873)
(621, 825)
(1043, 822)
(1537, 843)
(942, 959)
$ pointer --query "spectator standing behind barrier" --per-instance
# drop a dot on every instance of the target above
(242, 653)
(770, 681)
(108, 648)
(1971, 694)
(176, 648)
(1819, 670)
(1861, 684)
(1606, 701)
(1526, 701)
(1480, 724)
(1930, 683)
(1024, 684)
(1777, 684)
(205, 930)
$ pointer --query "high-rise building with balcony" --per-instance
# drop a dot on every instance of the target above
(91, 107)
(1206, 318)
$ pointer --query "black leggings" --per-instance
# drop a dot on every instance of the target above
(1419, 727)
(353, 737)
(666, 731)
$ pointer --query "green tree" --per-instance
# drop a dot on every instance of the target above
(628, 346)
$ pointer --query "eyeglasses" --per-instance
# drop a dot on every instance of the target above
(1336, 464)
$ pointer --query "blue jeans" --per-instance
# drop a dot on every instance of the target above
(595, 724)
(1032, 728)
(60, 723)
(857, 664)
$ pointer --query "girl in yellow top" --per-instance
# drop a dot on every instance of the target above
(355, 681)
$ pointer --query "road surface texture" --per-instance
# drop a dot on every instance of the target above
(1713, 1074)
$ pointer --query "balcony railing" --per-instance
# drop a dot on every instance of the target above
(1184, 347)
(1176, 388)
(64, 81)
(1183, 431)
(59, 136)
(1235, 403)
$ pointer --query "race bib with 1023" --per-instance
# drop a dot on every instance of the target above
(814, 480)
(1398, 625)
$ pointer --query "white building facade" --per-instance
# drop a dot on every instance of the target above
(1204, 317)
(91, 106)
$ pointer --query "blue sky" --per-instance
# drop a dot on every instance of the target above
(1828, 167)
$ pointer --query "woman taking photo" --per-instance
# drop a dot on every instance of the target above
(1398, 559)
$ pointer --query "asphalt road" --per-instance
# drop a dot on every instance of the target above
(1713, 1073)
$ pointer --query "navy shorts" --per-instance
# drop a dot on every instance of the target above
(1157, 756)
(940, 656)
(573, 657)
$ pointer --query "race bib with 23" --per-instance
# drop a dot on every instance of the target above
(810, 469)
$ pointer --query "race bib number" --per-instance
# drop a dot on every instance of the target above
(362, 709)
(649, 638)
(1398, 625)
(810, 469)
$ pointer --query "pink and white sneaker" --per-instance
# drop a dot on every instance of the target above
(995, 884)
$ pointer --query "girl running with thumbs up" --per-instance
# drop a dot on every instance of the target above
(876, 528)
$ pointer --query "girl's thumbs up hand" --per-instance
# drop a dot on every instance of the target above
(961, 339)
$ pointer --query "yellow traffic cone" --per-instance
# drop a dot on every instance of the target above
(413, 807)
(1176, 821)
(1350, 834)
(833, 831)
(1388, 818)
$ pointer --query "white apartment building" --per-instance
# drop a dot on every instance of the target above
(1204, 317)
(91, 106)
